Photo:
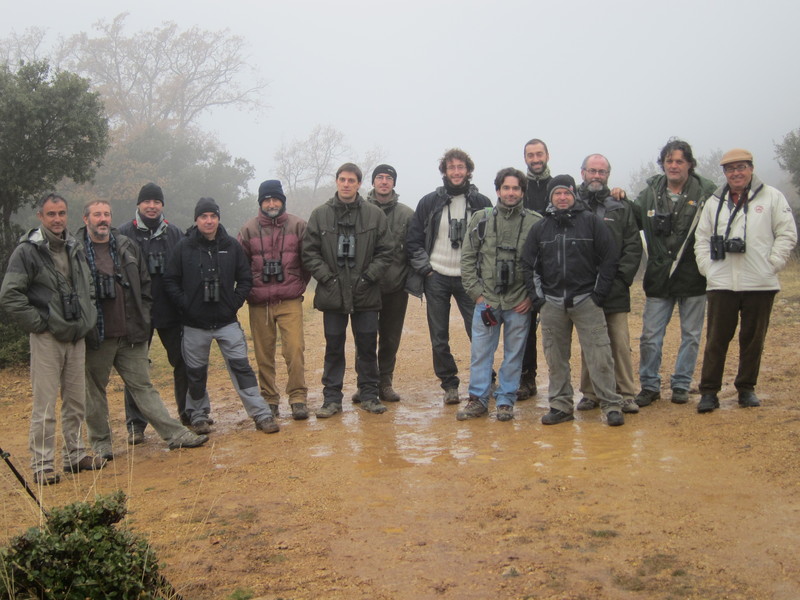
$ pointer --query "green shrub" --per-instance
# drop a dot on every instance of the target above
(78, 555)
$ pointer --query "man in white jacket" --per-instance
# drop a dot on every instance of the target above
(744, 237)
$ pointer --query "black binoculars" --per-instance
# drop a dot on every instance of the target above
(211, 289)
(156, 263)
(272, 268)
(106, 290)
(70, 306)
(458, 228)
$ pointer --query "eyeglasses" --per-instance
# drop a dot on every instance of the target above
(740, 168)
(601, 172)
(384, 178)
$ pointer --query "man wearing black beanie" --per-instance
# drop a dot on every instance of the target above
(156, 238)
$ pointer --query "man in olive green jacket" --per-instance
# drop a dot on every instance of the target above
(667, 211)
(347, 249)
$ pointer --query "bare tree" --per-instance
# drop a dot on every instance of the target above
(26, 47)
(310, 161)
(162, 77)
(371, 159)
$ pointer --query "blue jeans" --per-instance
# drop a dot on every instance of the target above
(656, 317)
(484, 343)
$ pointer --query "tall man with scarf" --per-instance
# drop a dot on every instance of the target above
(433, 244)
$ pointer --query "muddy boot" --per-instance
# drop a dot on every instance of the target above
(356, 398)
(273, 406)
(267, 425)
(527, 387)
(328, 409)
(472, 410)
(373, 405)
(451, 396)
(299, 411)
(387, 394)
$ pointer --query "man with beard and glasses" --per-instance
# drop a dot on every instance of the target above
(434, 248)
(618, 215)
(273, 243)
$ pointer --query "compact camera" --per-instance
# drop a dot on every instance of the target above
(458, 228)
(156, 263)
(735, 246)
(106, 290)
(70, 306)
(272, 268)
(662, 224)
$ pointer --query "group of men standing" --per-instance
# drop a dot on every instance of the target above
(548, 251)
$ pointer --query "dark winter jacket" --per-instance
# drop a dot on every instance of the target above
(135, 285)
(398, 218)
(347, 285)
(619, 216)
(279, 239)
(662, 250)
(32, 288)
(195, 264)
(425, 227)
(491, 234)
(568, 256)
(536, 195)
(156, 248)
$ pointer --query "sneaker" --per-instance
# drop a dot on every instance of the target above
(188, 440)
(276, 411)
(680, 396)
(329, 409)
(615, 418)
(708, 402)
(299, 411)
(527, 389)
(451, 396)
(267, 425)
(373, 406)
(201, 427)
(135, 438)
(629, 406)
(46, 477)
(474, 408)
(505, 412)
(587, 404)
(387, 394)
(647, 397)
(554, 417)
(748, 399)
(356, 398)
(87, 463)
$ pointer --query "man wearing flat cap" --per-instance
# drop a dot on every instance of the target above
(273, 243)
(745, 235)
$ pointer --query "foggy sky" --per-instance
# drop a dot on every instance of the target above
(617, 77)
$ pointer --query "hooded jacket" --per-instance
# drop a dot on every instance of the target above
(662, 250)
(279, 239)
(398, 218)
(347, 285)
(618, 215)
(195, 264)
(425, 227)
(136, 288)
(767, 227)
(156, 247)
(32, 288)
(569, 255)
(488, 231)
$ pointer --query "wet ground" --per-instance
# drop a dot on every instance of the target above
(413, 504)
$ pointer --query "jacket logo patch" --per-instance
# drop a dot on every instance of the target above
(759, 209)
(651, 213)
(691, 202)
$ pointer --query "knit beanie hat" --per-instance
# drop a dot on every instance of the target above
(206, 205)
(560, 181)
(150, 191)
(386, 170)
(271, 188)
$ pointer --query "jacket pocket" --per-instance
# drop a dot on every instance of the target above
(329, 295)
(366, 294)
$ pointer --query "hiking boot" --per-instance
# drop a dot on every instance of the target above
(106, 454)
(647, 397)
(356, 398)
(267, 425)
(329, 409)
(87, 463)
(387, 394)
(587, 404)
(679, 396)
(615, 418)
(505, 412)
(629, 406)
(276, 411)
(473, 409)
(299, 411)
(185, 421)
(708, 402)
(188, 440)
(451, 396)
(554, 417)
(201, 427)
(748, 399)
(527, 389)
(135, 438)
(373, 405)
(46, 477)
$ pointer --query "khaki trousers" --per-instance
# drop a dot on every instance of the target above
(623, 364)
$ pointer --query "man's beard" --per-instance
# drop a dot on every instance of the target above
(595, 186)
(273, 213)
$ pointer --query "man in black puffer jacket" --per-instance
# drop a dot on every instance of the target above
(569, 262)
(208, 279)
